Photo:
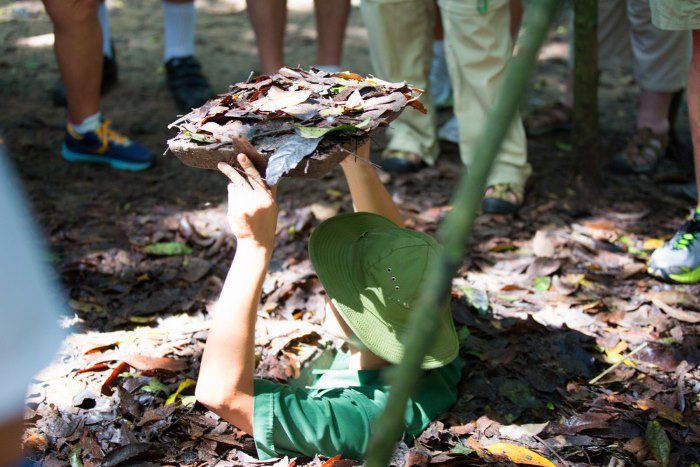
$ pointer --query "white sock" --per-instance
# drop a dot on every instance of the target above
(329, 68)
(91, 123)
(103, 17)
(179, 20)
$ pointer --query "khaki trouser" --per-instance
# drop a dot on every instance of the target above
(625, 31)
(400, 34)
(478, 46)
(676, 15)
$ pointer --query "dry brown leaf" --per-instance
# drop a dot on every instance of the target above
(599, 224)
(664, 411)
(106, 388)
(541, 267)
(143, 362)
(585, 421)
(629, 270)
(416, 458)
(676, 313)
(278, 99)
(542, 244)
(674, 297)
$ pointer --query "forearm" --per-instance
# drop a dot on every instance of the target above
(225, 382)
(368, 192)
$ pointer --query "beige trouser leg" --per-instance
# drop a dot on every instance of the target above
(661, 58)
(400, 35)
(478, 46)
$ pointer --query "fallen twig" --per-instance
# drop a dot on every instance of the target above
(637, 349)
(556, 454)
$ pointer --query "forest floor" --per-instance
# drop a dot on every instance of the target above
(551, 298)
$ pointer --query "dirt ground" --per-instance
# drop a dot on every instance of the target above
(550, 298)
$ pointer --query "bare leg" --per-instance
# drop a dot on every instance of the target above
(78, 48)
(269, 18)
(331, 21)
(694, 104)
(653, 110)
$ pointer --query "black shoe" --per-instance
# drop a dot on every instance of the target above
(110, 74)
(186, 82)
(401, 162)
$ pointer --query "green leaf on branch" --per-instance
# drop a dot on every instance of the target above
(167, 249)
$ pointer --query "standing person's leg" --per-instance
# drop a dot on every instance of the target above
(661, 61)
(479, 46)
(331, 22)
(694, 108)
(78, 47)
(186, 82)
(110, 70)
(269, 18)
(450, 130)
(400, 43)
(679, 259)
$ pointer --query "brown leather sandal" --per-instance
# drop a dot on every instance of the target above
(548, 119)
(642, 154)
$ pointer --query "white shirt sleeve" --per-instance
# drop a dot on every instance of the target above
(29, 300)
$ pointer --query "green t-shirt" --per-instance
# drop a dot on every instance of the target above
(336, 413)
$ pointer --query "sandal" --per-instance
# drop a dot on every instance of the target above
(502, 198)
(642, 154)
(399, 161)
(548, 119)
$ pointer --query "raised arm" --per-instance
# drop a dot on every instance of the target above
(225, 383)
(367, 191)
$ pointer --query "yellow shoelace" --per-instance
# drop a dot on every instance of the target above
(106, 135)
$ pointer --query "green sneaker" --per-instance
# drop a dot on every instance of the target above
(679, 259)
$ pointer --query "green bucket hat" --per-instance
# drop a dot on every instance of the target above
(373, 272)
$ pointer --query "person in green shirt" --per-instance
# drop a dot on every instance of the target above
(372, 270)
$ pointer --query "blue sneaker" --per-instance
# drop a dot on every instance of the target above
(105, 146)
